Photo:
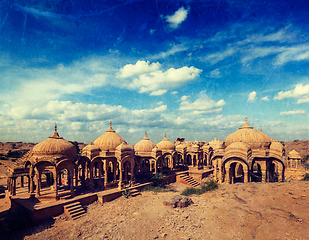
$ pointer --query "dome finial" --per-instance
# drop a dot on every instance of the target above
(110, 127)
(55, 135)
(165, 135)
(145, 138)
(246, 125)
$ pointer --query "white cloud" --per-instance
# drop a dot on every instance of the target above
(204, 103)
(219, 56)
(294, 112)
(184, 98)
(198, 112)
(303, 100)
(139, 68)
(300, 91)
(177, 18)
(174, 92)
(158, 92)
(170, 52)
(295, 53)
(215, 73)
(158, 82)
(252, 97)
(260, 52)
(266, 98)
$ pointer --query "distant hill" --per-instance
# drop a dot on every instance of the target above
(302, 147)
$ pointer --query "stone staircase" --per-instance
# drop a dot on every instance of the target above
(134, 193)
(185, 178)
(74, 210)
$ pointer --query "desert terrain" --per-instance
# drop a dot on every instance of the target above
(238, 211)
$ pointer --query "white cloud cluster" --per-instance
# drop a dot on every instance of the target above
(252, 97)
(155, 81)
(31, 86)
(266, 98)
(202, 105)
(301, 92)
(275, 45)
(139, 68)
(293, 112)
(177, 18)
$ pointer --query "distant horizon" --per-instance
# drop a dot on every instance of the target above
(191, 69)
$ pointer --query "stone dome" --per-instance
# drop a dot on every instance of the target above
(145, 145)
(54, 145)
(91, 148)
(109, 140)
(124, 147)
(237, 147)
(195, 147)
(276, 146)
(181, 147)
(247, 134)
(215, 143)
(166, 145)
(294, 154)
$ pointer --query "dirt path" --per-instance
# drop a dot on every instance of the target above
(239, 211)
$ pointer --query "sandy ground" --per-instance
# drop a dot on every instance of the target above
(239, 211)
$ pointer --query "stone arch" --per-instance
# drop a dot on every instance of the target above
(235, 170)
(145, 164)
(42, 167)
(276, 170)
(189, 160)
(167, 161)
(96, 168)
(67, 169)
(256, 172)
(110, 168)
(159, 164)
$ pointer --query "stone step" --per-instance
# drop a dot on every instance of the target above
(78, 216)
(134, 193)
(74, 210)
(190, 180)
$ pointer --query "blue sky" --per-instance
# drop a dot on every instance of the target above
(192, 69)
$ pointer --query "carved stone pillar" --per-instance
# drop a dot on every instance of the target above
(28, 184)
(115, 171)
(105, 173)
(71, 183)
(100, 185)
(227, 174)
(14, 186)
(91, 184)
(56, 176)
(38, 193)
(120, 177)
(31, 180)
(132, 174)
(245, 176)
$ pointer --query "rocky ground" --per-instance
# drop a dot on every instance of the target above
(239, 211)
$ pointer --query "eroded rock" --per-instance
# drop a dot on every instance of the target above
(178, 201)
